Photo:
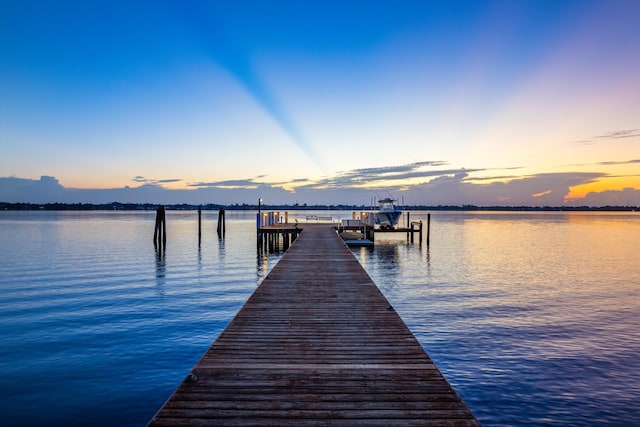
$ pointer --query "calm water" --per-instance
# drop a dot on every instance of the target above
(532, 317)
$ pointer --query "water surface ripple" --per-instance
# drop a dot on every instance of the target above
(531, 316)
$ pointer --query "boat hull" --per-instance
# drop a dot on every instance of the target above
(387, 219)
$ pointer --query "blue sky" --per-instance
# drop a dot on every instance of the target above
(510, 102)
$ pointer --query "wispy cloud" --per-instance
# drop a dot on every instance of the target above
(619, 134)
(395, 169)
(249, 183)
(146, 181)
(372, 178)
(626, 162)
(608, 136)
(385, 177)
(491, 178)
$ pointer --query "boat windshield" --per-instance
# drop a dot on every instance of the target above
(386, 204)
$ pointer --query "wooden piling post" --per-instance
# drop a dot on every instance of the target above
(221, 223)
(428, 227)
(160, 231)
(199, 225)
(412, 231)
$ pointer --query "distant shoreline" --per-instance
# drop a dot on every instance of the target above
(247, 207)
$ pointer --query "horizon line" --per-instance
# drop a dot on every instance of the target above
(119, 206)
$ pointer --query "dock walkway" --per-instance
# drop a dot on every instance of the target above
(315, 344)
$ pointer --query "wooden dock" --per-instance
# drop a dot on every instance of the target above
(316, 344)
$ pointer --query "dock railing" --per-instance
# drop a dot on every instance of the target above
(318, 218)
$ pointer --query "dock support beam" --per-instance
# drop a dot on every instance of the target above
(274, 240)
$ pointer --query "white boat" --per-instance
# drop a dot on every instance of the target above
(388, 215)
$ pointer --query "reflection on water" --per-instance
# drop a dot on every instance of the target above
(531, 316)
(161, 266)
(221, 252)
(263, 265)
(524, 313)
(88, 301)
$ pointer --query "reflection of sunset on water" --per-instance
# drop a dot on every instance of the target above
(543, 306)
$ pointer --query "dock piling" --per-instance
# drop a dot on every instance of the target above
(160, 231)
(221, 223)
(407, 225)
(274, 232)
(199, 225)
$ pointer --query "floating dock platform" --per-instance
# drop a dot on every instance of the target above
(316, 344)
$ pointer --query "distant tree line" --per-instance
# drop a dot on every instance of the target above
(245, 207)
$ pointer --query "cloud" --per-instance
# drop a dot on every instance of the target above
(626, 162)
(46, 189)
(395, 169)
(624, 197)
(491, 178)
(236, 183)
(612, 135)
(548, 189)
(619, 134)
(436, 187)
(143, 180)
(387, 177)
(49, 190)
(250, 183)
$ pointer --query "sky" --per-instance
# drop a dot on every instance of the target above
(515, 103)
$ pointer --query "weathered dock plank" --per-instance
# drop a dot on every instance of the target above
(315, 344)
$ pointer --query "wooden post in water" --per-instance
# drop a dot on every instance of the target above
(428, 227)
(221, 223)
(160, 231)
(199, 225)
